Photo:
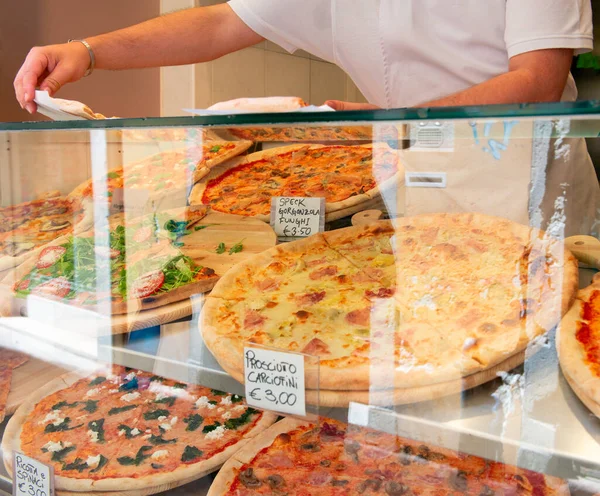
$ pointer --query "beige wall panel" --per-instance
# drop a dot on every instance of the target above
(287, 75)
(42, 22)
(239, 74)
(327, 82)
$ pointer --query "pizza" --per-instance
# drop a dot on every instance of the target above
(417, 302)
(141, 258)
(163, 172)
(300, 459)
(9, 360)
(304, 133)
(122, 429)
(343, 175)
(262, 104)
(25, 227)
(578, 346)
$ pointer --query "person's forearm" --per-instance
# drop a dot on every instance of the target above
(184, 37)
(511, 87)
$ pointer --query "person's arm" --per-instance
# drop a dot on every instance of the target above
(184, 37)
(538, 76)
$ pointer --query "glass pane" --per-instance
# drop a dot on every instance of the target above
(444, 342)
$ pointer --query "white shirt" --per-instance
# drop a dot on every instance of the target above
(405, 52)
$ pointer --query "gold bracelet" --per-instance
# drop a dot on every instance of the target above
(92, 56)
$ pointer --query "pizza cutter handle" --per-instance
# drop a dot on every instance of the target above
(586, 249)
(366, 217)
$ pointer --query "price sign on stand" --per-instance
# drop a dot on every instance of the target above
(274, 380)
(31, 477)
(297, 217)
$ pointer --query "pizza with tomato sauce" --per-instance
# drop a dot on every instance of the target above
(122, 429)
(26, 227)
(142, 257)
(578, 345)
(334, 459)
(404, 304)
(163, 172)
(344, 175)
(304, 133)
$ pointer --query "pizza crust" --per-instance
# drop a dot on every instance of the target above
(185, 473)
(195, 197)
(571, 353)
(229, 471)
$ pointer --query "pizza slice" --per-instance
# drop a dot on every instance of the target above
(163, 172)
(12, 358)
(5, 381)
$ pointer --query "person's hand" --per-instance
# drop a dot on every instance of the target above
(49, 68)
(339, 105)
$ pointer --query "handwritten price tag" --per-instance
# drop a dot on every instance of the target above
(297, 217)
(274, 380)
(32, 478)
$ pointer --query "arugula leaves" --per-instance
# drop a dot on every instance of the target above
(238, 247)
(221, 248)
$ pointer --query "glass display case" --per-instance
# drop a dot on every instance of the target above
(386, 302)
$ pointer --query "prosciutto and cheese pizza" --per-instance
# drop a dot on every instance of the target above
(122, 429)
(334, 459)
(417, 302)
(578, 344)
(343, 175)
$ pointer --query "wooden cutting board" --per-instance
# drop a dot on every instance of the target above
(28, 378)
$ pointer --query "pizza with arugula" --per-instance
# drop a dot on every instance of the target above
(142, 260)
(124, 429)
